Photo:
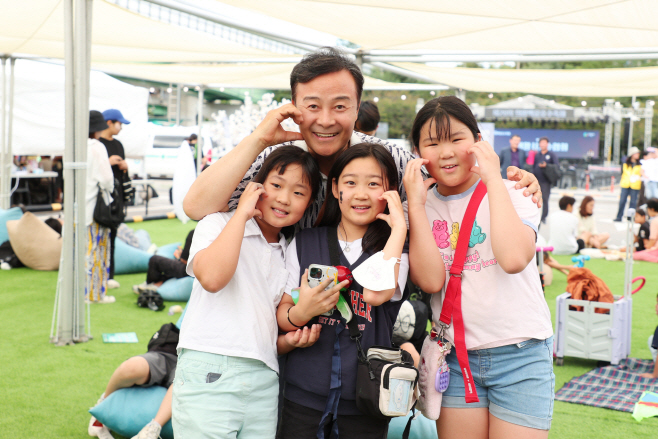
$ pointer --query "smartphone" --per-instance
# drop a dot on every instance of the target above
(319, 273)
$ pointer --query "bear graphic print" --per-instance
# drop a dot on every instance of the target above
(445, 240)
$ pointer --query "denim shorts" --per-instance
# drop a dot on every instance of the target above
(219, 396)
(515, 382)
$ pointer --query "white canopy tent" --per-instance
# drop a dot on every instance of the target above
(39, 119)
(639, 81)
(254, 75)
(412, 27)
(36, 28)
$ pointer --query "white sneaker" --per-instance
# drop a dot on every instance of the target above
(105, 299)
(112, 284)
(101, 431)
(5, 266)
(150, 431)
(144, 287)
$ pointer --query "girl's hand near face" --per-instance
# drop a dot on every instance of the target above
(395, 217)
(414, 184)
(247, 205)
(488, 167)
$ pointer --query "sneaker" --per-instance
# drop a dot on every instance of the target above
(112, 284)
(98, 430)
(148, 288)
(150, 431)
(5, 266)
(144, 287)
(105, 299)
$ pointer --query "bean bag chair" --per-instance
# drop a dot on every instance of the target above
(646, 255)
(177, 290)
(15, 213)
(168, 250)
(128, 259)
(35, 243)
(144, 239)
(127, 411)
(421, 427)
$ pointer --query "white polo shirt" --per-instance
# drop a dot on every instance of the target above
(240, 319)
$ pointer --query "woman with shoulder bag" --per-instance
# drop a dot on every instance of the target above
(99, 176)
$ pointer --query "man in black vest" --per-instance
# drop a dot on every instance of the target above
(117, 155)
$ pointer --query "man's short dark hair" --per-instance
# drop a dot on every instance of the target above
(544, 138)
(640, 212)
(566, 201)
(515, 135)
(368, 118)
(653, 204)
(321, 62)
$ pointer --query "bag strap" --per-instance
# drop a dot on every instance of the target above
(334, 257)
(452, 303)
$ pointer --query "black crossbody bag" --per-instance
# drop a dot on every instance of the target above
(386, 379)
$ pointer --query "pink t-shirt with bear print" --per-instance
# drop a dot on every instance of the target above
(498, 308)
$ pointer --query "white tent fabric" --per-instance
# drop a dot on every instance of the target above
(531, 102)
(39, 109)
(36, 27)
(640, 81)
(474, 25)
(255, 75)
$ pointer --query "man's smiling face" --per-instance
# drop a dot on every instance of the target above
(330, 107)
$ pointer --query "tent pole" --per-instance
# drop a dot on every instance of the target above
(648, 122)
(64, 310)
(10, 122)
(5, 178)
(178, 98)
(71, 311)
(199, 140)
(630, 129)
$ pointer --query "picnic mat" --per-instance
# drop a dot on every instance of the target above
(612, 387)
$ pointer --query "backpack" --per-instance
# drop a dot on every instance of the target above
(111, 215)
(165, 340)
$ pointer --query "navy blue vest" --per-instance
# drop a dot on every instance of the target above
(308, 371)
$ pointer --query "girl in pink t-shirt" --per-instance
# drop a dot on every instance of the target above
(508, 330)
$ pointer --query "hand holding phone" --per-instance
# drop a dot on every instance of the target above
(322, 298)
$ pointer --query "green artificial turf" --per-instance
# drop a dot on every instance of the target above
(47, 390)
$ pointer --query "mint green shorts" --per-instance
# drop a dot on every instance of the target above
(216, 396)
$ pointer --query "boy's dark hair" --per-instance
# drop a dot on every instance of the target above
(544, 138)
(439, 111)
(368, 118)
(282, 157)
(566, 201)
(583, 206)
(378, 231)
(640, 212)
(321, 62)
(653, 204)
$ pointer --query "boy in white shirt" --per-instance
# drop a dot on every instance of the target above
(227, 381)
(563, 226)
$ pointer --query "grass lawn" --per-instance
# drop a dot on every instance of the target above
(47, 390)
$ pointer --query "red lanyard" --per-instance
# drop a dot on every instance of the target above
(452, 304)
